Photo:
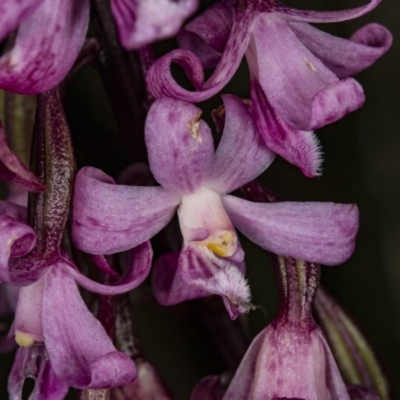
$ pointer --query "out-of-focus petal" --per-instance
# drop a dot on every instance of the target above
(108, 218)
(132, 278)
(14, 211)
(11, 168)
(8, 298)
(196, 272)
(34, 363)
(241, 155)
(358, 392)
(304, 92)
(323, 233)
(147, 386)
(179, 145)
(141, 22)
(209, 388)
(300, 148)
(13, 12)
(46, 46)
(345, 57)
(207, 35)
(161, 83)
(16, 240)
(80, 350)
(293, 14)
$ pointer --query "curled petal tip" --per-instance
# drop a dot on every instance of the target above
(143, 22)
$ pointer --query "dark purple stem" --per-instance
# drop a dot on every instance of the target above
(123, 81)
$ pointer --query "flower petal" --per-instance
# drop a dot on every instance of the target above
(8, 298)
(80, 350)
(142, 22)
(241, 155)
(293, 14)
(304, 92)
(300, 148)
(13, 12)
(179, 144)
(14, 211)
(148, 385)
(316, 95)
(161, 83)
(207, 35)
(12, 169)
(108, 218)
(46, 46)
(210, 388)
(241, 383)
(28, 314)
(135, 274)
(168, 286)
(316, 232)
(345, 57)
(16, 240)
(287, 362)
(33, 362)
(196, 272)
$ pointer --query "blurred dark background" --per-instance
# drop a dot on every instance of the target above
(361, 165)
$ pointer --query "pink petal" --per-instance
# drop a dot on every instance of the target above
(179, 144)
(316, 232)
(12, 169)
(241, 155)
(345, 57)
(28, 314)
(33, 362)
(16, 239)
(292, 14)
(207, 35)
(141, 22)
(46, 46)
(135, 274)
(80, 350)
(288, 362)
(161, 83)
(196, 272)
(304, 92)
(300, 148)
(108, 218)
(13, 12)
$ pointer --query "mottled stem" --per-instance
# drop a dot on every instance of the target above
(53, 162)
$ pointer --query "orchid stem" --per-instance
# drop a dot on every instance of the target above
(123, 81)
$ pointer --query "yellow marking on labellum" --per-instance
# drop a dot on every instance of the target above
(194, 127)
(24, 339)
(223, 244)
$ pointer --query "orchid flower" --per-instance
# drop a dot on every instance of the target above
(141, 22)
(288, 362)
(49, 36)
(300, 76)
(50, 310)
(195, 180)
